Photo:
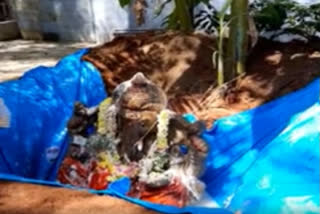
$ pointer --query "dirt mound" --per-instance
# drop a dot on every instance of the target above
(168, 59)
(273, 70)
(182, 65)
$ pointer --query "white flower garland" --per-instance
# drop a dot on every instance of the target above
(107, 118)
(163, 119)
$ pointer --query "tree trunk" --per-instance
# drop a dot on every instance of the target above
(238, 40)
(183, 14)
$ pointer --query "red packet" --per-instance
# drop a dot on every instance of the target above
(174, 194)
(98, 179)
(73, 172)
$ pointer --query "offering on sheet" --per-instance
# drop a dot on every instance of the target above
(133, 134)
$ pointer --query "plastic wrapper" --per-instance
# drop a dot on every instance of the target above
(174, 194)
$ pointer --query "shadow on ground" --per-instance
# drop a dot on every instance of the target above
(18, 56)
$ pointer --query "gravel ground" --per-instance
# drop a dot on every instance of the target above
(18, 56)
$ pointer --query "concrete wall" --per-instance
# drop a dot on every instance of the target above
(55, 19)
(85, 20)
(67, 20)
(108, 16)
(9, 30)
(27, 13)
(79, 20)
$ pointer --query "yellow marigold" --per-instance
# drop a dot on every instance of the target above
(105, 162)
(102, 122)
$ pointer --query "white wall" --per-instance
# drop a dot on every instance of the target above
(87, 20)
(69, 20)
(108, 16)
(80, 20)
(27, 13)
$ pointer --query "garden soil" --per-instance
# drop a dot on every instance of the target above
(183, 65)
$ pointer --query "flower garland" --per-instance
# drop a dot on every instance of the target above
(102, 122)
(107, 127)
(107, 119)
(163, 119)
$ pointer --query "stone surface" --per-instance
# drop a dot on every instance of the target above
(18, 56)
(9, 30)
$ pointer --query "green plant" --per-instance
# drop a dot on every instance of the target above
(286, 16)
(270, 15)
(124, 3)
(181, 18)
(238, 40)
(221, 30)
(182, 15)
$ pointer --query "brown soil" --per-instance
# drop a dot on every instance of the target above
(274, 69)
(171, 60)
(16, 198)
(182, 65)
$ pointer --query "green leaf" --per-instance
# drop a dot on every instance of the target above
(271, 17)
(124, 3)
(172, 21)
(225, 7)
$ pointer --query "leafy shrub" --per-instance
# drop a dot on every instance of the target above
(276, 16)
(286, 16)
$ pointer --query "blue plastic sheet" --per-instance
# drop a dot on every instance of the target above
(264, 160)
(40, 103)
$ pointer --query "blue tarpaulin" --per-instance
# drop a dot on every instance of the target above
(264, 160)
(40, 103)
